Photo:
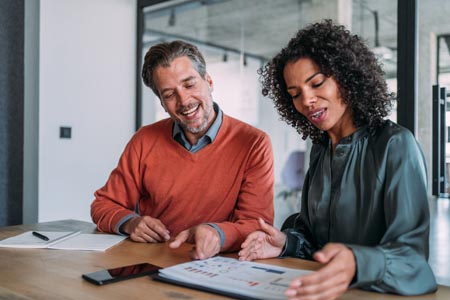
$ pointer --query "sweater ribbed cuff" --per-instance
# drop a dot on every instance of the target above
(220, 232)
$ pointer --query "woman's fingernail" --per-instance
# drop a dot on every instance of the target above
(290, 292)
(296, 283)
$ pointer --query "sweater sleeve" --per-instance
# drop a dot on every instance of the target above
(255, 199)
(399, 263)
(118, 200)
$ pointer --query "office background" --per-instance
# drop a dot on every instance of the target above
(64, 64)
(11, 112)
(72, 64)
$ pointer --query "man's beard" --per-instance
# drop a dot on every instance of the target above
(200, 128)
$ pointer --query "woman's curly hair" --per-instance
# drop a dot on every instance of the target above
(340, 55)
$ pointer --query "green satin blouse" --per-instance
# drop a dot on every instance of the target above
(370, 195)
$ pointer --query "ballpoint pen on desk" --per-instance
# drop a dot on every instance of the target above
(41, 236)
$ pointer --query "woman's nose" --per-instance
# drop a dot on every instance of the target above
(309, 98)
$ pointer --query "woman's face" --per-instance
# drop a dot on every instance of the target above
(317, 97)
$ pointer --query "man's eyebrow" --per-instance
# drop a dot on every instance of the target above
(189, 78)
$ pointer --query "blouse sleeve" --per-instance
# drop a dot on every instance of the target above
(399, 263)
(299, 242)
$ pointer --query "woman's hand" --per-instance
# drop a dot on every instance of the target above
(264, 243)
(330, 281)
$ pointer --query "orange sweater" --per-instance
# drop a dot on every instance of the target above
(229, 182)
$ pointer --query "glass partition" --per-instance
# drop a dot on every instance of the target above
(434, 69)
(237, 37)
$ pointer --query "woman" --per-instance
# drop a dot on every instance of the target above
(364, 212)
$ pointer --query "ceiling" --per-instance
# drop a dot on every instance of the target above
(260, 28)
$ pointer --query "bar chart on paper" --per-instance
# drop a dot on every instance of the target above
(231, 276)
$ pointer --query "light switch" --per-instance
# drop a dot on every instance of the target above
(65, 132)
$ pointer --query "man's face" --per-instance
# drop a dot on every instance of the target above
(186, 96)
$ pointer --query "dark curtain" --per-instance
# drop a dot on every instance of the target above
(11, 110)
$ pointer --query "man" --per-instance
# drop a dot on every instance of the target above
(199, 176)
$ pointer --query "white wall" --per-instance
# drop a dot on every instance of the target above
(87, 81)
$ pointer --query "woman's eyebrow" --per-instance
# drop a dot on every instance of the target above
(307, 79)
(312, 76)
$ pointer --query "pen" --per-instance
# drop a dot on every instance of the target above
(41, 236)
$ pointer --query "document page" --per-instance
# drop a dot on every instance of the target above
(89, 242)
(28, 240)
(64, 240)
(251, 279)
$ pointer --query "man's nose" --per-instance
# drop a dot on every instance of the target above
(183, 97)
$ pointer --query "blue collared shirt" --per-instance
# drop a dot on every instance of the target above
(205, 140)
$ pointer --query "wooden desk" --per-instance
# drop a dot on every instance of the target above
(56, 274)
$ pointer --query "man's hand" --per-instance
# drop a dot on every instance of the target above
(329, 282)
(264, 243)
(205, 238)
(146, 230)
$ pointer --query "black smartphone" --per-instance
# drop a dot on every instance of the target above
(121, 273)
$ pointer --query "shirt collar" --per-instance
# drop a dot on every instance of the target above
(211, 133)
(352, 138)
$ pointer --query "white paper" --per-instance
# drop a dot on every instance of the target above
(258, 280)
(89, 241)
(65, 240)
(28, 240)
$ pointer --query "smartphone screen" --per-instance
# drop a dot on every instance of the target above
(121, 273)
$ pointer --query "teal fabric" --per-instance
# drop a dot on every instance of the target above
(371, 195)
